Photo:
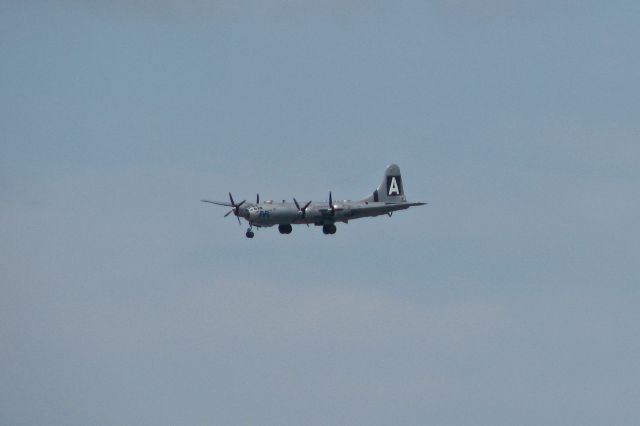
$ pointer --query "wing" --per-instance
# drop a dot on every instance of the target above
(377, 209)
(219, 203)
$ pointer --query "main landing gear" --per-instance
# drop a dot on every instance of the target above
(285, 229)
(329, 229)
(249, 233)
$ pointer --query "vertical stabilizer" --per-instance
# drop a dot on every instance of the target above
(390, 190)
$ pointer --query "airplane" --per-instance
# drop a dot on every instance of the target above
(386, 199)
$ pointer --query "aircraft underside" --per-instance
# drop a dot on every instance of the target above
(325, 219)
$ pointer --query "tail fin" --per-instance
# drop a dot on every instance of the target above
(390, 190)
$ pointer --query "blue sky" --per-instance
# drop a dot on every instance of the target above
(510, 299)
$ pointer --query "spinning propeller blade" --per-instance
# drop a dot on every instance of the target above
(302, 212)
(235, 208)
(331, 206)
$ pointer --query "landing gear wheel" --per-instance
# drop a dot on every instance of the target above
(329, 229)
(285, 229)
(249, 233)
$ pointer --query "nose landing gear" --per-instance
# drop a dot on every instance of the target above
(249, 233)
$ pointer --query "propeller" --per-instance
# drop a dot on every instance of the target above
(257, 198)
(331, 206)
(236, 208)
(302, 212)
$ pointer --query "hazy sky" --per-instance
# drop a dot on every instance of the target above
(511, 299)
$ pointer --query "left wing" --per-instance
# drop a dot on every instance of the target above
(219, 203)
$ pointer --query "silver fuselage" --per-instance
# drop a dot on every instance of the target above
(387, 198)
(271, 213)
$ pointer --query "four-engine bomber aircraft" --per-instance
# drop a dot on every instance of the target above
(388, 198)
